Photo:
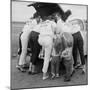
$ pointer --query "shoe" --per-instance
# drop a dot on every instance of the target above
(21, 68)
(26, 66)
(67, 79)
(32, 73)
(29, 72)
(53, 76)
(82, 66)
(83, 69)
(57, 75)
(45, 76)
(77, 66)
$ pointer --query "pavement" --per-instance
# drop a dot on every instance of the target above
(21, 80)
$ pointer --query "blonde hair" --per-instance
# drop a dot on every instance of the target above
(79, 22)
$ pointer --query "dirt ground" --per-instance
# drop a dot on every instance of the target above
(23, 80)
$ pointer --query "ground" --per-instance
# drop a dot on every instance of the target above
(23, 80)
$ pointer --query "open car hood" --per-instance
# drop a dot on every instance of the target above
(46, 9)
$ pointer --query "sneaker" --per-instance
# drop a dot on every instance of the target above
(82, 66)
(57, 75)
(26, 66)
(83, 69)
(21, 68)
(67, 79)
(53, 76)
(45, 76)
(29, 72)
(77, 66)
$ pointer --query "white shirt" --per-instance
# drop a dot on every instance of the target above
(36, 28)
(63, 27)
(67, 27)
(75, 28)
(47, 27)
(29, 25)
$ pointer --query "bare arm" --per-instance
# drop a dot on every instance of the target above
(67, 53)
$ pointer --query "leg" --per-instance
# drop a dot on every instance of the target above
(35, 49)
(57, 66)
(53, 67)
(46, 42)
(46, 61)
(68, 65)
(20, 45)
(24, 41)
(75, 49)
(81, 51)
(35, 53)
(20, 48)
(34, 59)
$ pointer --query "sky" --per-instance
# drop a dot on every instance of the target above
(20, 11)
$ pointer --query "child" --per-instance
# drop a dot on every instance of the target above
(68, 61)
(55, 61)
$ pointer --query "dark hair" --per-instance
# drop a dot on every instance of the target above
(66, 15)
(36, 15)
(63, 16)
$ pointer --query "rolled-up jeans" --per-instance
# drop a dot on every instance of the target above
(46, 41)
(35, 46)
(78, 45)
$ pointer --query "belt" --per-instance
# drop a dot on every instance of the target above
(76, 33)
(45, 35)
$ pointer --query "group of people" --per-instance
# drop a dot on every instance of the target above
(57, 39)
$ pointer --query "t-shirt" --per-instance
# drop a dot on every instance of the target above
(67, 53)
(57, 46)
(63, 27)
(46, 33)
(67, 27)
(29, 25)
